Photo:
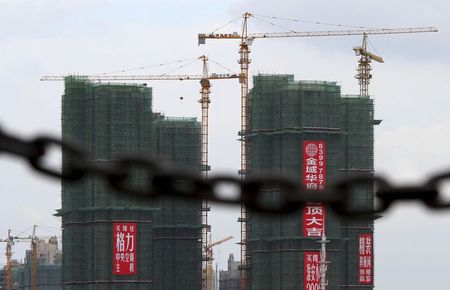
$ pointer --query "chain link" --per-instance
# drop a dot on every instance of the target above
(268, 194)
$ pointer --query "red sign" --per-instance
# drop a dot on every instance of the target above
(365, 259)
(124, 248)
(314, 179)
(313, 220)
(311, 271)
(314, 165)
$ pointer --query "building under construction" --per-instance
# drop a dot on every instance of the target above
(114, 241)
(308, 131)
(230, 279)
(177, 223)
(48, 268)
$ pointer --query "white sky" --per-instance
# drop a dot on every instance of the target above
(411, 92)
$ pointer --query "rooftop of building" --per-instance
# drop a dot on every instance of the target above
(290, 78)
(82, 79)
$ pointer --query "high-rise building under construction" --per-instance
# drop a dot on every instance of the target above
(115, 241)
(307, 130)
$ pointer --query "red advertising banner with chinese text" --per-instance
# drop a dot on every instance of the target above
(124, 248)
(365, 259)
(314, 178)
(313, 220)
(311, 268)
(314, 165)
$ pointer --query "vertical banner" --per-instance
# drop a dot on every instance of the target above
(313, 220)
(314, 165)
(365, 256)
(311, 268)
(314, 178)
(124, 248)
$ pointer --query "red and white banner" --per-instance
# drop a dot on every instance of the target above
(124, 248)
(313, 220)
(314, 178)
(311, 268)
(314, 165)
(365, 259)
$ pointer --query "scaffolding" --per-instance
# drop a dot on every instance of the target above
(284, 113)
(111, 119)
(177, 230)
(48, 277)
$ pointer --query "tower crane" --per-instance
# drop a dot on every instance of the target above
(34, 241)
(9, 243)
(363, 74)
(204, 100)
(246, 40)
(9, 266)
(209, 282)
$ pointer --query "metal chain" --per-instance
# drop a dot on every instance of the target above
(268, 194)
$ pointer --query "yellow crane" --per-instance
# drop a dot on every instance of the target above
(34, 241)
(205, 100)
(246, 40)
(9, 266)
(208, 281)
(9, 243)
(363, 74)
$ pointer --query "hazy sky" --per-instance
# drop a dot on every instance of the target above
(411, 92)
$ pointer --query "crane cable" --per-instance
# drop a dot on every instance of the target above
(313, 22)
(371, 45)
(192, 60)
(181, 66)
(20, 234)
(271, 23)
(147, 66)
(214, 31)
(51, 230)
(222, 66)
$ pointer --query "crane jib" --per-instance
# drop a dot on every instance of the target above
(320, 33)
(213, 76)
(342, 32)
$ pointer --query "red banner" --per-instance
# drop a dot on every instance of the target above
(124, 248)
(314, 178)
(311, 271)
(314, 166)
(313, 220)
(365, 259)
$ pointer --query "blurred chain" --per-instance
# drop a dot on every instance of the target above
(267, 194)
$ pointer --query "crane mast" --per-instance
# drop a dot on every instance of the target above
(9, 244)
(33, 258)
(363, 74)
(204, 101)
(244, 62)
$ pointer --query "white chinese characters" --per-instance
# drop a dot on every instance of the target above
(312, 273)
(365, 259)
(124, 254)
